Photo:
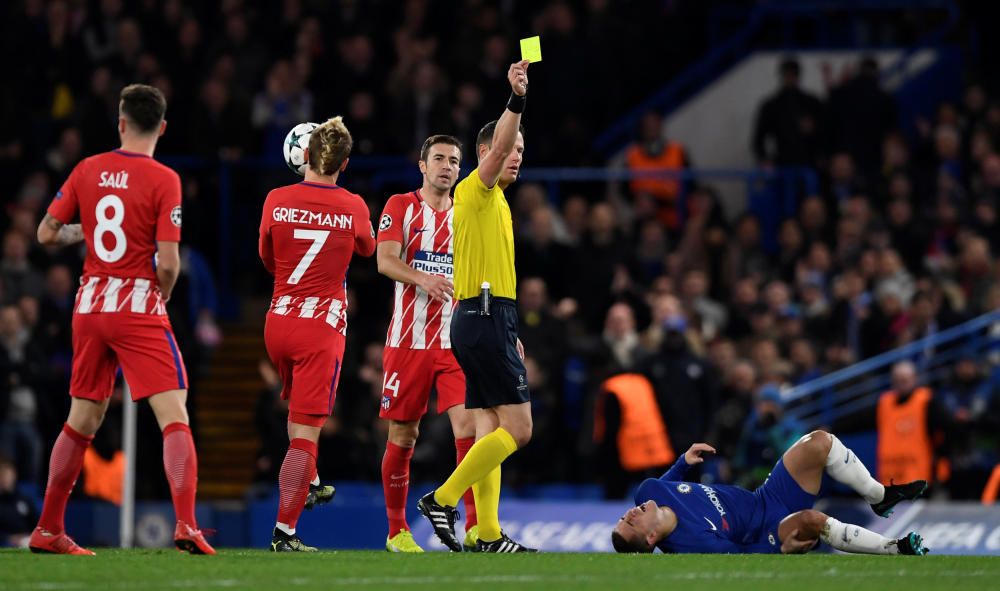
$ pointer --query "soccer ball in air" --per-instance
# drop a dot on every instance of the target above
(295, 146)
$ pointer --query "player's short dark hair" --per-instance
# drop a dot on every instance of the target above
(485, 135)
(623, 546)
(144, 106)
(439, 139)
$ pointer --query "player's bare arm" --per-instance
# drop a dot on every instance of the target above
(53, 232)
(168, 266)
(392, 266)
(508, 125)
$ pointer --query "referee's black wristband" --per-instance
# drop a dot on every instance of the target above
(516, 103)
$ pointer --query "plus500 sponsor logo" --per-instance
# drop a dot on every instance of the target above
(435, 263)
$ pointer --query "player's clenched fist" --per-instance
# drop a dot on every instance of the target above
(518, 76)
(793, 545)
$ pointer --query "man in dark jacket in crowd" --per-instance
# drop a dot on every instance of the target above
(685, 388)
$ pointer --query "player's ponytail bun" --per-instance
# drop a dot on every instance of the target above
(329, 146)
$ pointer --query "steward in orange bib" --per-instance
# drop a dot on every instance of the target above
(102, 477)
(653, 152)
(910, 430)
(631, 433)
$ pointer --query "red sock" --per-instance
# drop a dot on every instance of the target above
(396, 485)
(293, 481)
(180, 463)
(64, 468)
(462, 447)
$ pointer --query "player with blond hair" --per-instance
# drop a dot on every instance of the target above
(308, 233)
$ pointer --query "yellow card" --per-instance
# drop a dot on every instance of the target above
(531, 49)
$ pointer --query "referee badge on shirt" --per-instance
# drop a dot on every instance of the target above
(684, 488)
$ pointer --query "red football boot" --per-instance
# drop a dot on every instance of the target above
(45, 542)
(191, 540)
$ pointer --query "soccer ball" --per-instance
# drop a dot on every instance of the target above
(295, 146)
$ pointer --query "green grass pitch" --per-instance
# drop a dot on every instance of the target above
(257, 569)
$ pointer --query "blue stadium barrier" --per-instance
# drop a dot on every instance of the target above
(841, 393)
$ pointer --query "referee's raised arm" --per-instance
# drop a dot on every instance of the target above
(491, 165)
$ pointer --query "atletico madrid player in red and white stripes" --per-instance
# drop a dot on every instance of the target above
(308, 233)
(415, 249)
(130, 217)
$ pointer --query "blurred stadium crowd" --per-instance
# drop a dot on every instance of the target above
(898, 244)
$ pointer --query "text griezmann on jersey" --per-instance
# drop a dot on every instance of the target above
(291, 215)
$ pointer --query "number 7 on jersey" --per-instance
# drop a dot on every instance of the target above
(318, 238)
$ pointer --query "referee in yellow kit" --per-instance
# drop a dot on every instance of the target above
(484, 329)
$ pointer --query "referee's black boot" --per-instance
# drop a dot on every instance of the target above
(504, 545)
(442, 519)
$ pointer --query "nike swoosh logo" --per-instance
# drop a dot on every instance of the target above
(419, 230)
(46, 534)
(711, 524)
(398, 477)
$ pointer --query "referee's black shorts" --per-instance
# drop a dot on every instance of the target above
(486, 348)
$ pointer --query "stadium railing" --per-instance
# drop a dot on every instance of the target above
(839, 394)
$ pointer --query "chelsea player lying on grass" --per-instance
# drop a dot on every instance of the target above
(687, 517)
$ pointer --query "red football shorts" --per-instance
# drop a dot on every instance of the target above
(308, 354)
(142, 344)
(409, 376)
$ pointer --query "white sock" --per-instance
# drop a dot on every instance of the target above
(315, 480)
(856, 539)
(285, 528)
(844, 466)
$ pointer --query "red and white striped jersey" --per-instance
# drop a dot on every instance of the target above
(418, 321)
(308, 234)
(126, 202)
